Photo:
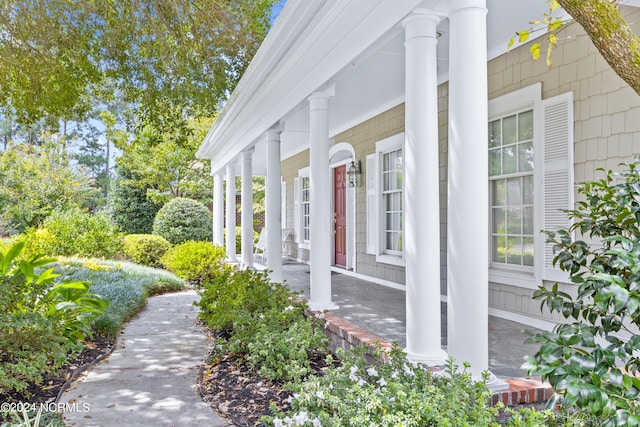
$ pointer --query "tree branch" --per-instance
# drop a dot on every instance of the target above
(610, 34)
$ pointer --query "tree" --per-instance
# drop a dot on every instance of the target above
(606, 28)
(129, 206)
(592, 359)
(163, 160)
(57, 56)
(35, 181)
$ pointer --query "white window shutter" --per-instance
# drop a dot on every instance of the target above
(283, 201)
(557, 166)
(296, 209)
(371, 204)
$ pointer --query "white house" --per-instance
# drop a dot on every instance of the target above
(465, 150)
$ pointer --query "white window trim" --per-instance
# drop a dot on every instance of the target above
(388, 144)
(529, 97)
(302, 244)
(551, 156)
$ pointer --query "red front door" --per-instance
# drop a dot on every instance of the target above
(340, 215)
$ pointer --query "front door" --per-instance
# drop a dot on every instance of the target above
(340, 214)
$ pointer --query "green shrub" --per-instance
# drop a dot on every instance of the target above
(129, 206)
(255, 236)
(145, 249)
(75, 232)
(194, 261)
(277, 346)
(41, 319)
(125, 285)
(232, 292)
(268, 324)
(181, 220)
(396, 393)
(585, 359)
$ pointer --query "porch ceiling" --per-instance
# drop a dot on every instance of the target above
(356, 45)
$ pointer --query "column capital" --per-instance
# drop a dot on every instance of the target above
(456, 5)
(319, 100)
(248, 151)
(421, 23)
(273, 134)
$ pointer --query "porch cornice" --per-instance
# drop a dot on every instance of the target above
(311, 42)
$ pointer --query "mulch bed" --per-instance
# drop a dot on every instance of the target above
(52, 384)
(236, 392)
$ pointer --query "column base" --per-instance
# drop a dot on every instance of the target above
(322, 306)
(496, 384)
(437, 358)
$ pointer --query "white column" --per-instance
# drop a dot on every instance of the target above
(231, 212)
(246, 208)
(468, 221)
(273, 206)
(422, 191)
(320, 202)
(218, 209)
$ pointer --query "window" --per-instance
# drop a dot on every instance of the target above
(530, 148)
(302, 208)
(392, 201)
(511, 189)
(384, 177)
(305, 208)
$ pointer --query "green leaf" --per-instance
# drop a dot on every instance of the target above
(10, 255)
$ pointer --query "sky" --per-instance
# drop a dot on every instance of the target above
(277, 8)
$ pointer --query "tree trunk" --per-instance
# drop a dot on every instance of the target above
(107, 178)
(610, 34)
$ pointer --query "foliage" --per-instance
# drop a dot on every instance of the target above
(255, 235)
(182, 220)
(35, 181)
(41, 319)
(605, 26)
(269, 326)
(162, 160)
(549, 23)
(129, 206)
(74, 232)
(125, 285)
(582, 358)
(31, 418)
(160, 55)
(394, 393)
(194, 261)
(277, 344)
(145, 249)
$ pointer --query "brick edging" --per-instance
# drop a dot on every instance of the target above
(346, 335)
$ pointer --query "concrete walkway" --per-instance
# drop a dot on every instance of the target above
(150, 378)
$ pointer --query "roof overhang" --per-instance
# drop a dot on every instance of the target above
(356, 45)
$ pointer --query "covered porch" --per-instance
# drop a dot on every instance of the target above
(325, 68)
(381, 310)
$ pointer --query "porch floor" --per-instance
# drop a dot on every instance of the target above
(381, 310)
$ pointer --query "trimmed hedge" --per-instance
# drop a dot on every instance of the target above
(145, 249)
(181, 220)
(194, 261)
(76, 232)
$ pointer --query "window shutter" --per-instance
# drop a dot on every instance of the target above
(557, 173)
(283, 201)
(371, 204)
(296, 209)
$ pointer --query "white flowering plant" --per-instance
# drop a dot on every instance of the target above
(394, 393)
